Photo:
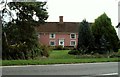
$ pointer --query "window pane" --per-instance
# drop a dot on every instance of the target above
(72, 35)
(52, 35)
(73, 43)
(52, 43)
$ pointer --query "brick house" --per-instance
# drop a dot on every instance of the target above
(58, 33)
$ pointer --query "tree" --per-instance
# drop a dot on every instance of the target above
(85, 38)
(103, 27)
(19, 34)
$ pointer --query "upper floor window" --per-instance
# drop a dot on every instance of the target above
(73, 36)
(52, 35)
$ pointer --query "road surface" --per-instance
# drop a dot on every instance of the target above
(85, 69)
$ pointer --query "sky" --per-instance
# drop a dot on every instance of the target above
(77, 10)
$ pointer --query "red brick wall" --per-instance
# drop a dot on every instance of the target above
(45, 39)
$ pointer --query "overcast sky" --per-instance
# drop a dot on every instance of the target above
(77, 10)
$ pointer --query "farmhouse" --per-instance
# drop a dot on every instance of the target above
(58, 33)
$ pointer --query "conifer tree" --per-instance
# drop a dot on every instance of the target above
(103, 27)
(85, 38)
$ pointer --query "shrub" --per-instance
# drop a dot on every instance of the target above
(51, 47)
(115, 54)
(73, 52)
(68, 48)
(45, 50)
(59, 47)
(62, 48)
(97, 55)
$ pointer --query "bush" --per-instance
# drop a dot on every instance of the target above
(68, 48)
(58, 47)
(61, 47)
(98, 55)
(73, 52)
(51, 47)
(115, 54)
(45, 50)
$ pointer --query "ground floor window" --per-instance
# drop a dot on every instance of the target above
(52, 42)
(72, 42)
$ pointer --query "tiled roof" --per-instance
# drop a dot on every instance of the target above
(59, 27)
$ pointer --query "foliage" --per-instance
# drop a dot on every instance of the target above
(19, 35)
(115, 55)
(105, 34)
(62, 57)
(119, 44)
(45, 50)
(59, 47)
(74, 52)
(69, 48)
(85, 38)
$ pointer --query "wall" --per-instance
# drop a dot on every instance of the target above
(44, 38)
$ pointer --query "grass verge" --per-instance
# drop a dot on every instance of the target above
(56, 61)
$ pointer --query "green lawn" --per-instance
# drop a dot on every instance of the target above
(61, 54)
(56, 61)
(58, 57)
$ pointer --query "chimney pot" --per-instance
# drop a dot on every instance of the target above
(61, 19)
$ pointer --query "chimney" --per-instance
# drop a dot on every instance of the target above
(60, 19)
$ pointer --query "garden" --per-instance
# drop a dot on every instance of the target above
(97, 41)
(62, 57)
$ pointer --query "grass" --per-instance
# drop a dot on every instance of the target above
(61, 54)
(56, 61)
(58, 57)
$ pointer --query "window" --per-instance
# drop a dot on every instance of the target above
(52, 43)
(73, 43)
(52, 35)
(72, 35)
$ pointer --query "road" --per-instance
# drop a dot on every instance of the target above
(88, 69)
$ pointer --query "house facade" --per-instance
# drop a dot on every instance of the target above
(58, 33)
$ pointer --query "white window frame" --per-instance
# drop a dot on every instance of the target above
(51, 35)
(63, 40)
(74, 34)
(52, 41)
(71, 43)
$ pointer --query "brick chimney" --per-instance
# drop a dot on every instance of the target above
(60, 19)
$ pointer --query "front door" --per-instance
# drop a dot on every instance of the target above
(61, 42)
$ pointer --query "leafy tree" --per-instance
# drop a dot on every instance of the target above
(85, 38)
(19, 34)
(103, 27)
